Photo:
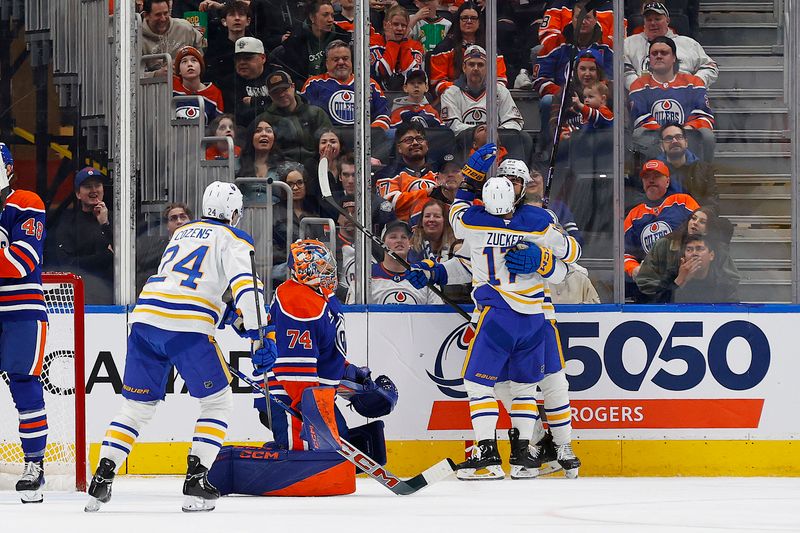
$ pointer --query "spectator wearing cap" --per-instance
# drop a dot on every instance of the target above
(464, 102)
(665, 95)
(414, 106)
(410, 181)
(449, 178)
(334, 90)
(303, 54)
(447, 59)
(388, 278)
(162, 34)
(297, 124)
(84, 238)
(393, 54)
(691, 58)
(250, 95)
(556, 53)
(656, 217)
(189, 68)
(235, 19)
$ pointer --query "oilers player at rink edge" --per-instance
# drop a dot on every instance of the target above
(513, 252)
(311, 370)
(23, 320)
(173, 324)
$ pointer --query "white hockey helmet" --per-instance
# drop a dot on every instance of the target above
(221, 200)
(498, 196)
(514, 168)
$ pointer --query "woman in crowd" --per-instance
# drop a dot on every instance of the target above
(260, 159)
(447, 58)
(433, 236)
(656, 278)
(329, 146)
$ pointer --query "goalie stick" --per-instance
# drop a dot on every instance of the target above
(588, 5)
(325, 188)
(437, 472)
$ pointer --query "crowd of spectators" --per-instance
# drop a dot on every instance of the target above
(277, 77)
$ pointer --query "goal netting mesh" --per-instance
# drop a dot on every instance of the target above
(65, 455)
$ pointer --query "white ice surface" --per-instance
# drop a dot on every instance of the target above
(152, 505)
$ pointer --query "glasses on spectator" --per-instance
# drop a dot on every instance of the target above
(670, 138)
(468, 18)
(411, 140)
(296, 184)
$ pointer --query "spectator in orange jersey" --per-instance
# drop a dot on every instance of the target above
(448, 57)
(656, 217)
(222, 126)
(393, 54)
(189, 68)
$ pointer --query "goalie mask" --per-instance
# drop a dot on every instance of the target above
(517, 173)
(221, 201)
(498, 196)
(312, 264)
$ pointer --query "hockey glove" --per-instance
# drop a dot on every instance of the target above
(426, 271)
(263, 350)
(479, 163)
(355, 379)
(232, 317)
(529, 259)
(357, 374)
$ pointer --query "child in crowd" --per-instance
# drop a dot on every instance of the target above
(594, 109)
(222, 126)
(414, 106)
(427, 26)
(393, 55)
(187, 81)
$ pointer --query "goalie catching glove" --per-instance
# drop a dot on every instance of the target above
(426, 271)
(530, 258)
(478, 165)
(369, 398)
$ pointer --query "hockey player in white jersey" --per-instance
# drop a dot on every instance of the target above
(173, 324)
(513, 343)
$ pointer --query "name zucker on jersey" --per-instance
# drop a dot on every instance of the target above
(503, 239)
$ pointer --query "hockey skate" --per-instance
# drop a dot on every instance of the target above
(200, 494)
(30, 484)
(100, 488)
(547, 453)
(566, 458)
(525, 460)
(485, 463)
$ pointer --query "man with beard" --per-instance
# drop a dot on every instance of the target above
(686, 171)
(163, 34)
(250, 95)
(464, 102)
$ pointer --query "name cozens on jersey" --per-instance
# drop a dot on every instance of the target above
(192, 233)
(503, 239)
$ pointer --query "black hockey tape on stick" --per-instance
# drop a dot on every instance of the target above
(260, 327)
(437, 472)
(325, 188)
(588, 6)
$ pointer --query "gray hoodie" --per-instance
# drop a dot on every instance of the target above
(180, 33)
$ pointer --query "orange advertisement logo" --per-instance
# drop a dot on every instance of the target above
(744, 413)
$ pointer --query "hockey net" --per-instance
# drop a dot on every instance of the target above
(63, 380)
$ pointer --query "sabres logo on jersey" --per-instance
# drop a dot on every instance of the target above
(342, 106)
(652, 232)
(668, 111)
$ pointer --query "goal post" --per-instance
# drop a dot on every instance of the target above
(63, 382)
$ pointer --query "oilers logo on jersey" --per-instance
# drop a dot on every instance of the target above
(667, 111)
(342, 106)
(652, 232)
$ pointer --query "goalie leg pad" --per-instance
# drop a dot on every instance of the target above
(369, 439)
(269, 471)
(319, 419)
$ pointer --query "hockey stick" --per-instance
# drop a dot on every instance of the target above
(260, 328)
(437, 472)
(590, 5)
(325, 188)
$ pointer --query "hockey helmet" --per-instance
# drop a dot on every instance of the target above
(312, 264)
(499, 196)
(377, 398)
(515, 170)
(221, 201)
